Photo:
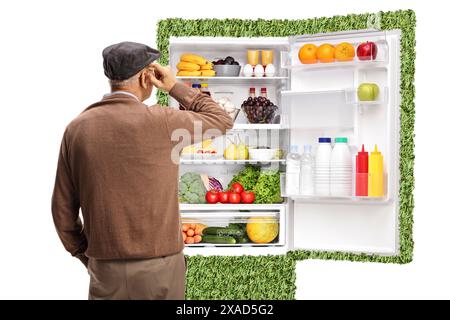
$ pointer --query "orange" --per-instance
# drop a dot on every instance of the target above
(308, 54)
(344, 52)
(325, 53)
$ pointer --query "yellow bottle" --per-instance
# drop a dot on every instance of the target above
(376, 184)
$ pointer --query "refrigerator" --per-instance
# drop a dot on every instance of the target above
(313, 100)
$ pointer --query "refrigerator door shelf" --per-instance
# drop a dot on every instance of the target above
(351, 96)
(348, 200)
(290, 60)
(354, 64)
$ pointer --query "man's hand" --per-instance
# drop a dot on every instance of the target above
(162, 77)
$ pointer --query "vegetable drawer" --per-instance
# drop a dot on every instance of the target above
(233, 228)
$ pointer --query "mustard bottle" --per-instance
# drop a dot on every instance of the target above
(376, 184)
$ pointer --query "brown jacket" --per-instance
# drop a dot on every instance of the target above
(115, 164)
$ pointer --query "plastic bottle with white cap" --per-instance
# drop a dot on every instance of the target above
(293, 171)
(322, 167)
(307, 172)
(341, 169)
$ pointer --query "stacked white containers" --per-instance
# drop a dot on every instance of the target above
(341, 169)
(322, 167)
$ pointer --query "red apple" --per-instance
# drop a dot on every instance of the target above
(367, 51)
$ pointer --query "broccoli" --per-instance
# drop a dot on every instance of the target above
(191, 188)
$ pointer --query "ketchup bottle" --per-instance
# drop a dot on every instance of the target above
(362, 173)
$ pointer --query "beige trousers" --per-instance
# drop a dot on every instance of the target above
(147, 279)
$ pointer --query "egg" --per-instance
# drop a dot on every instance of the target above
(248, 70)
(259, 70)
(270, 70)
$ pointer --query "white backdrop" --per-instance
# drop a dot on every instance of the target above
(51, 69)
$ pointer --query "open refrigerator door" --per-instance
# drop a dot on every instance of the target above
(326, 100)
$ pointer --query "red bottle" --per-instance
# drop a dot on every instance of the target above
(362, 173)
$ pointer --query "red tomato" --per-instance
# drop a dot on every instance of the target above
(224, 196)
(212, 196)
(247, 197)
(237, 187)
(235, 197)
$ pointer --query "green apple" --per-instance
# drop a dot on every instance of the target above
(368, 91)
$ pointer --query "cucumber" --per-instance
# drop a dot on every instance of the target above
(221, 231)
(243, 239)
(218, 239)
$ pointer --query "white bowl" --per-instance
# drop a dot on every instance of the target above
(262, 154)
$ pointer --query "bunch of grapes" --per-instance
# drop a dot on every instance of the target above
(259, 110)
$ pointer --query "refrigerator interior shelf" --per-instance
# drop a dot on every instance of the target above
(259, 126)
(242, 80)
(230, 162)
(229, 206)
(298, 94)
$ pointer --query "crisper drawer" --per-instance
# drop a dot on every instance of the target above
(233, 228)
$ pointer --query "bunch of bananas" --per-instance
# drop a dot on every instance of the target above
(192, 65)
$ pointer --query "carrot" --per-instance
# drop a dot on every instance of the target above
(185, 227)
(192, 226)
(197, 239)
(184, 236)
(190, 233)
(190, 240)
(198, 231)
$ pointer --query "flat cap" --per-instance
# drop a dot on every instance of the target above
(123, 60)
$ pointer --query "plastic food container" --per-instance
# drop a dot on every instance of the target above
(262, 154)
(223, 70)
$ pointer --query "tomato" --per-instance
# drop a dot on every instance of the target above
(247, 197)
(212, 196)
(235, 197)
(237, 187)
(224, 196)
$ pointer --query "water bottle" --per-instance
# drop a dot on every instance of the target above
(293, 171)
(322, 167)
(341, 169)
(307, 172)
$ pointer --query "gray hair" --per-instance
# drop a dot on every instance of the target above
(124, 83)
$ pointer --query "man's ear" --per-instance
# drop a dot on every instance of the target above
(143, 80)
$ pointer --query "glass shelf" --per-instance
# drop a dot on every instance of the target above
(225, 161)
(234, 79)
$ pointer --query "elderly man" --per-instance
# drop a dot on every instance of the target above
(115, 163)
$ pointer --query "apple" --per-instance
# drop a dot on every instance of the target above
(368, 91)
(367, 51)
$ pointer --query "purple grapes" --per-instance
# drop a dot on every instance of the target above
(259, 110)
